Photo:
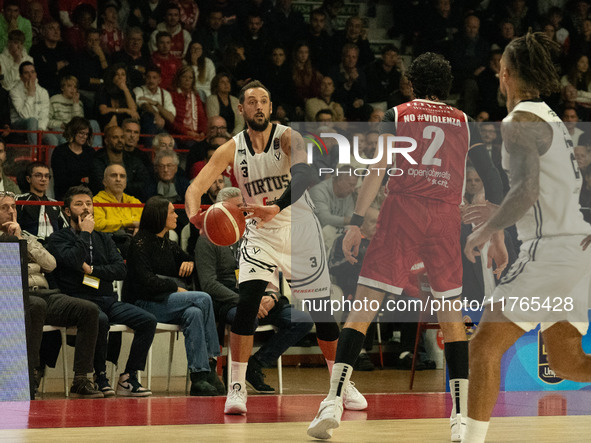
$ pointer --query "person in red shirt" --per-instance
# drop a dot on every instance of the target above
(163, 58)
(190, 118)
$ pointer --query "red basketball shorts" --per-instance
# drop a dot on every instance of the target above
(410, 230)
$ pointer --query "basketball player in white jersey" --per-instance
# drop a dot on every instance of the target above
(552, 272)
(261, 157)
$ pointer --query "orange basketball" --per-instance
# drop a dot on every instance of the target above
(224, 224)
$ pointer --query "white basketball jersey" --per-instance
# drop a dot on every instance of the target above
(263, 177)
(557, 210)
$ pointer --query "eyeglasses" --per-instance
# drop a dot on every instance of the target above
(40, 175)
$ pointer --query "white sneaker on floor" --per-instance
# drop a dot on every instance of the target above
(353, 400)
(327, 419)
(236, 400)
(458, 427)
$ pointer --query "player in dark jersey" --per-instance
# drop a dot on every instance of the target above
(419, 221)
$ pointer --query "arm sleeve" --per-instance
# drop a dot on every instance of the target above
(43, 111)
(206, 263)
(38, 254)
(141, 270)
(114, 268)
(388, 123)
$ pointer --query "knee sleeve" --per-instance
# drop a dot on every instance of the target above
(326, 325)
(251, 293)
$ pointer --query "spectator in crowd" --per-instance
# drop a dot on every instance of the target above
(190, 118)
(383, 76)
(37, 17)
(403, 94)
(468, 58)
(277, 77)
(488, 86)
(561, 34)
(121, 222)
(11, 19)
(583, 156)
(319, 41)
(162, 142)
(351, 85)
(146, 14)
(216, 127)
(354, 33)
(11, 58)
(155, 104)
(214, 36)
(324, 101)
(61, 309)
(331, 9)
(83, 17)
(169, 64)
(52, 57)
(30, 105)
(491, 140)
(506, 34)
(134, 55)
(67, 105)
(234, 63)
(169, 183)
(67, 7)
(570, 119)
(474, 188)
(72, 161)
(576, 83)
(131, 138)
(115, 100)
(221, 103)
(158, 269)
(87, 264)
(209, 198)
(305, 78)
(522, 16)
(376, 116)
(202, 66)
(255, 40)
(334, 202)
(39, 221)
(212, 144)
(89, 66)
(114, 152)
(287, 24)
(216, 269)
(6, 184)
(189, 14)
(111, 34)
(180, 37)
(585, 195)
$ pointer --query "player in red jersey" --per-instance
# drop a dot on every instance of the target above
(419, 221)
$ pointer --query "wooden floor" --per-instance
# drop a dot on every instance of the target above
(394, 414)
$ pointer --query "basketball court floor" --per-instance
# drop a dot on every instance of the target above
(391, 417)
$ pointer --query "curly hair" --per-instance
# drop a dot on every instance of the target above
(430, 75)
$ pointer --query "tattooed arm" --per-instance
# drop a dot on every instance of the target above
(526, 138)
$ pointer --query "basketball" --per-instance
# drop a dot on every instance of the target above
(224, 224)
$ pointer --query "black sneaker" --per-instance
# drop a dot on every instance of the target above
(129, 386)
(200, 385)
(363, 363)
(101, 383)
(83, 388)
(255, 379)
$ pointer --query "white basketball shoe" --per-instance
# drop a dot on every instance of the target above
(328, 418)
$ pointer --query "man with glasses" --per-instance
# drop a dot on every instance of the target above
(40, 221)
(6, 184)
(216, 127)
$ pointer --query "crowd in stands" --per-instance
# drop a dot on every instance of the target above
(134, 96)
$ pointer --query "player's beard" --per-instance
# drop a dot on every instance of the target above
(252, 124)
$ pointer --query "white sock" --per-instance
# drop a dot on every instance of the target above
(330, 364)
(338, 380)
(475, 431)
(458, 389)
(239, 372)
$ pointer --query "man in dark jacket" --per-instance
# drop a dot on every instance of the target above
(88, 263)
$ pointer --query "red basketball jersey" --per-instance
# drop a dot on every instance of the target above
(443, 139)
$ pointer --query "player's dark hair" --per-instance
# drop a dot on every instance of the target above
(250, 85)
(430, 75)
(73, 191)
(531, 58)
(154, 215)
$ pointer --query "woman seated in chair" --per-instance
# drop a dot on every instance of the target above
(156, 281)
